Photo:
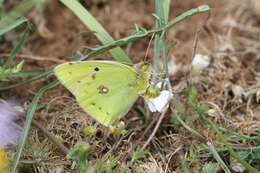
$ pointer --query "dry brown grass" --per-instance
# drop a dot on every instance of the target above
(230, 86)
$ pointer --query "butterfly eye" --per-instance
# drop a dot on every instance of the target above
(96, 69)
(145, 67)
(93, 76)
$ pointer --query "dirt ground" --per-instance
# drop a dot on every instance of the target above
(230, 85)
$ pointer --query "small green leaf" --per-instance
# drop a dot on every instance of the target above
(138, 155)
(119, 129)
(209, 168)
(6, 73)
(193, 96)
(90, 131)
(218, 158)
(80, 153)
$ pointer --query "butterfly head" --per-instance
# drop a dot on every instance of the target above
(142, 80)
(142, 67)
(152, 92)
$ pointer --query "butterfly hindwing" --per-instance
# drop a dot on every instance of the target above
(102, 88)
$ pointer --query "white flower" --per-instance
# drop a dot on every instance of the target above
(161, 102)
(172, 66)
(199, 63)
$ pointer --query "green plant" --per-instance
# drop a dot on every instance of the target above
(14, 18)
(108, 45)
(80, 153)
(138, 155)
(209, 168)
(251, 156)
(7, 73)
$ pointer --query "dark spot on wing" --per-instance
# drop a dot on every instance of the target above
(79, 81)
(131, 85)
(70, 72)
(100, 108)
(93, 76)
(93, 103)
(102, 89)
(96, 69)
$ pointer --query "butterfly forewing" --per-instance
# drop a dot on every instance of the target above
(104, 89)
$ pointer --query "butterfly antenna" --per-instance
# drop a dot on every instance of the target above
(195, 44)
(147, 50)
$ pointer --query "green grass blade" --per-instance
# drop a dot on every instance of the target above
(165, 57)
(166, 9)
(17, 48)
(194, 132)
(147, 33)
(232, 152)
(184, 165)
(208, 168)
(204, 148)
(160, 12)
(1, 8)
(246, 165)
(159, 41)
(103, 36)
(23, 82)
(11, 25)
(15, 17)
(188, 14)
(32, 73)
(218, 158)
(239, 136)
(137, 36)
(156, 58)
(29, 116)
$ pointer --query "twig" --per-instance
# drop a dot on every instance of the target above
(170, 157)
(148, 47)
(194, 132)
(61, 147)
(146, 130)
(141, 138)
(147, 33)
(112, 149)
(155, 129)
(195, 44)
(44, 74)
